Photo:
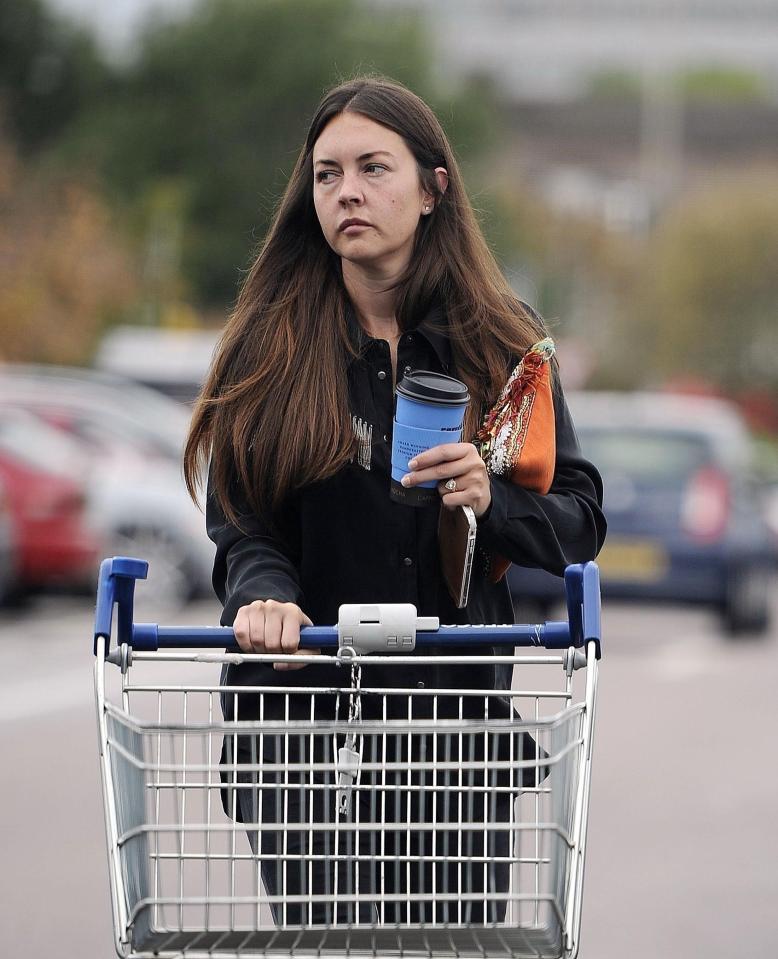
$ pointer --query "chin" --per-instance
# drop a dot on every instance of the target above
(363, 257)
(392, 261)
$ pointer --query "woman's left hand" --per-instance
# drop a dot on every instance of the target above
(459, 462)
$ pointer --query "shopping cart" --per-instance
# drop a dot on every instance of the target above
(399, 804)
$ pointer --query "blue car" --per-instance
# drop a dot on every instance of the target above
(684, 518)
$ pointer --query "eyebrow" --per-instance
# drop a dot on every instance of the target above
(360, 159)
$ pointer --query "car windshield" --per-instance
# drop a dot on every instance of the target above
(658, 456)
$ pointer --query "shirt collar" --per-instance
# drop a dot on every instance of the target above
(433, 327)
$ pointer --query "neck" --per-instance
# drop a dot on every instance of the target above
(374, 299)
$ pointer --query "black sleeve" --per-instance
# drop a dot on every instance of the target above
(552, 530)
(250, 563)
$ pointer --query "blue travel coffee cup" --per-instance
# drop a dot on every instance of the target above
(430, 411)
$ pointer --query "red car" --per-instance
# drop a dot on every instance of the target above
(7, 543)
(43, 486)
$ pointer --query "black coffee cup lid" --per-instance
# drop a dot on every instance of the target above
(433, 388)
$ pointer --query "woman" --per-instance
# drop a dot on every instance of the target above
(374, 266)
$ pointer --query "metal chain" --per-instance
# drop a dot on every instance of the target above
(349, 756)
(354, 703)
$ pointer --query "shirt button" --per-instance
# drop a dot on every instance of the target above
(382, 374)
(408, 561)
(386, 437)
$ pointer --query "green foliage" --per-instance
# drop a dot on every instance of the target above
(710, 285)
(65, 272)
(703, 84)
(217, 106)
(721, 84)
(49, 72)
(615, 84)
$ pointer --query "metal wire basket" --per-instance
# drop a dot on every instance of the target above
(403, 807)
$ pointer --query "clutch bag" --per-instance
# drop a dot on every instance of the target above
(518, 435)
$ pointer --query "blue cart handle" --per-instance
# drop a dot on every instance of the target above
(116, 587)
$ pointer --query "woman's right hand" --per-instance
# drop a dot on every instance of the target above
(267, 626)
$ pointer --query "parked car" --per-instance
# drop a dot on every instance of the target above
(685, 523)
(44, 481)
(143, 509)
(132, 438)
(770, 500)
(103, 410)
(173, 361)
(8, 558)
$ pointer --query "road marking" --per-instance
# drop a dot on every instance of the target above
(52, 694)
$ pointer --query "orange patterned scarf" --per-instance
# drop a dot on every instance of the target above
(518, 436)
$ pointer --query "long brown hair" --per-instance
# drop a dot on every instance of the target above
(273, 413)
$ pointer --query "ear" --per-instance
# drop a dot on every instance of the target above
(441, 175)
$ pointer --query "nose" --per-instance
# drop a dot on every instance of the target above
(350, 189)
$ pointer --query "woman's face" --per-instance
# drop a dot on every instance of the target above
(367, 193)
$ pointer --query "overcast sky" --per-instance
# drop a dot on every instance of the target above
(114, 21)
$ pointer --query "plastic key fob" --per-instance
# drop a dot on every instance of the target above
(348, 769)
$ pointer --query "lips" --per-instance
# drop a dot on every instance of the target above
(352, 222)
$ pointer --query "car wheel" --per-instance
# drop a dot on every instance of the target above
(746, 610)
(170, 582)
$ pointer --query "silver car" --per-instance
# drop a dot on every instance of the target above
(132, 438)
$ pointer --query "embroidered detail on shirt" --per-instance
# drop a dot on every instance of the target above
(364, 434)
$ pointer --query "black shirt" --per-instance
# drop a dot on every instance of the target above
(343, 540)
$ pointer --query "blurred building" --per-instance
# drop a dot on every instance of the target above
(598, 113)
(543, 48)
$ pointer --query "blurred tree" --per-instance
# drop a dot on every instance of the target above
(571, 268)
(714, 83)
(615, 84)
(49, 72)
(64, 273)
(721, 84)
(215, 108)
(708, 296)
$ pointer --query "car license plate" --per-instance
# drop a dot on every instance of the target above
(633, 561)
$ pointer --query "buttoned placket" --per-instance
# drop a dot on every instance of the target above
(408, 358)
(380, 364)
(383, 389)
